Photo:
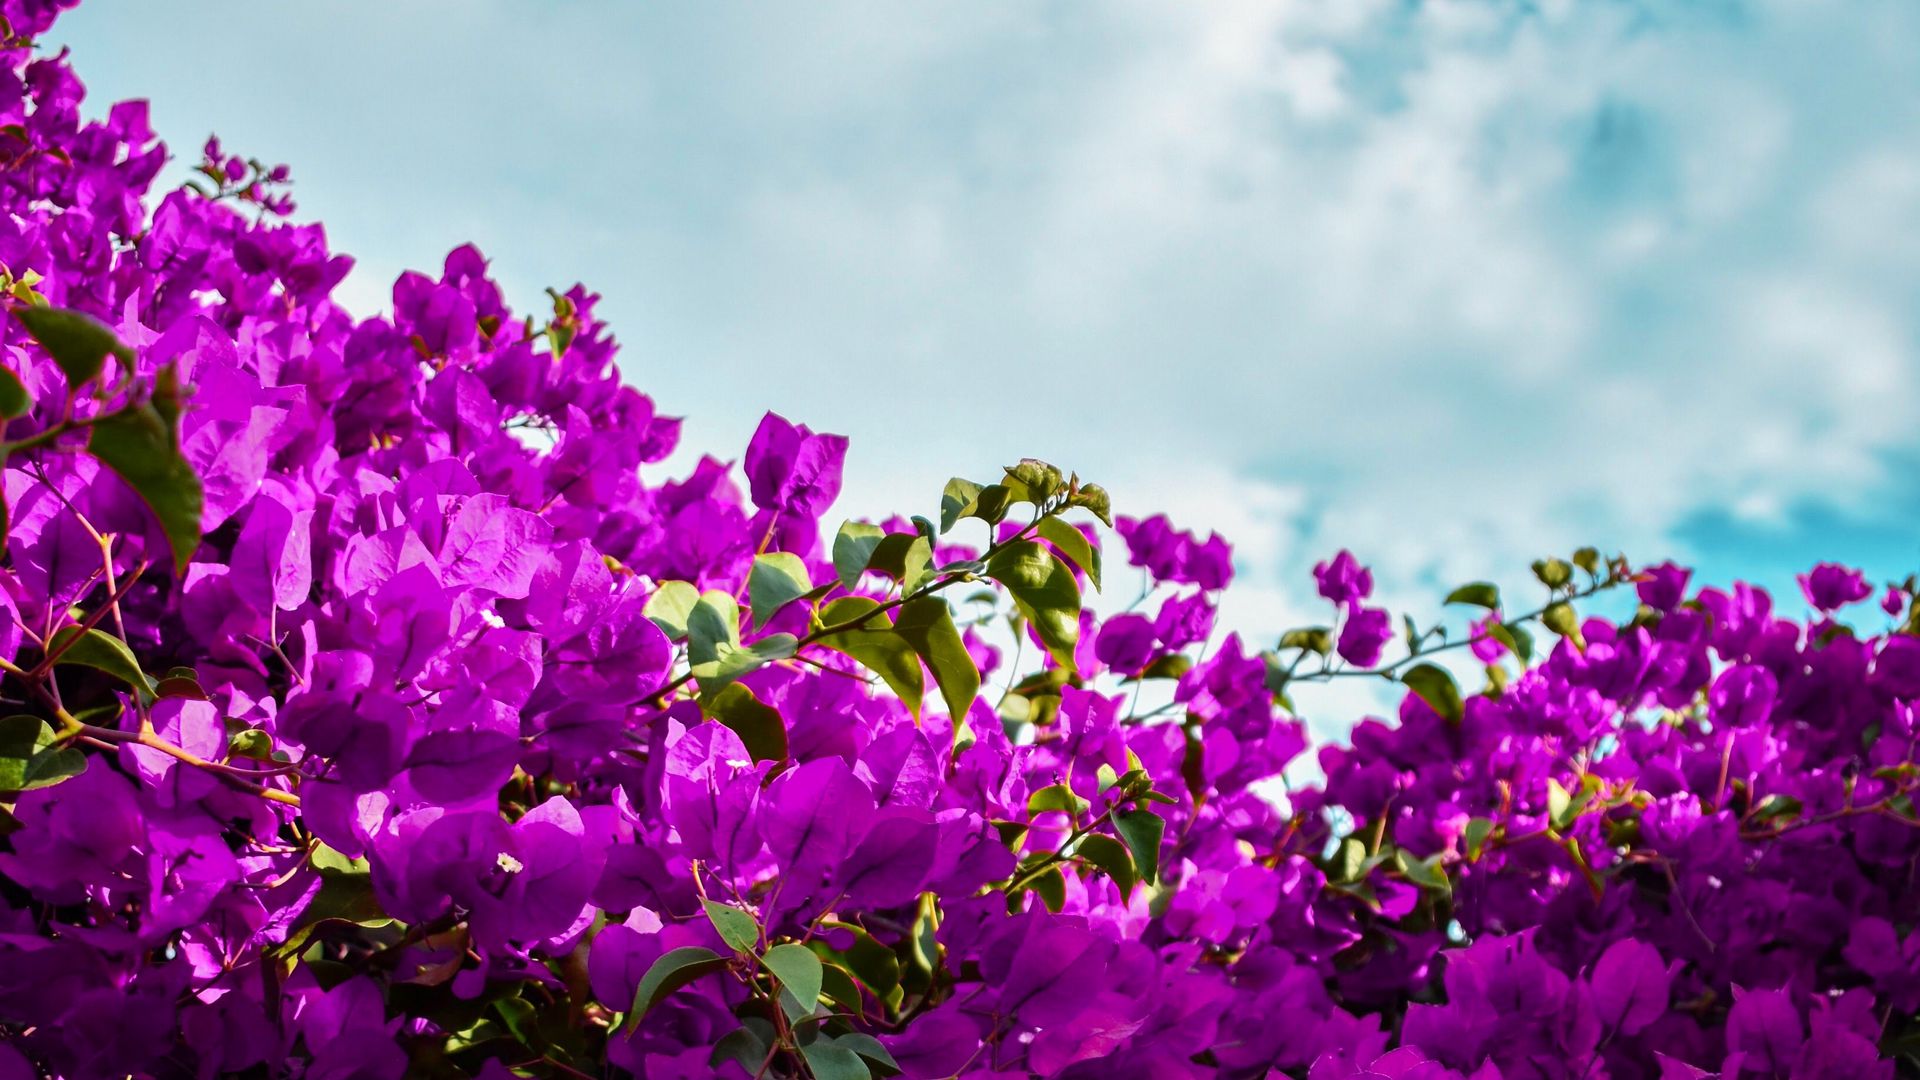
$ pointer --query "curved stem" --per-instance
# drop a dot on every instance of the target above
(1327, 671)
(230, 773)
(1059, 856)
(53, 656)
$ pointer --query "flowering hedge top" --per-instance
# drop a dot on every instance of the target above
(374, 717)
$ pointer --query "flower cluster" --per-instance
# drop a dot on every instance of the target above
(377, 712)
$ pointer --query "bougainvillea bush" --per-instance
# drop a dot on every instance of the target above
(369, 715)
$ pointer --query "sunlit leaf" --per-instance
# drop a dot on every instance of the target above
(1044, 590)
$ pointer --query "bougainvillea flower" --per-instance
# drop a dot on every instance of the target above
(1830, 586)
(1342, 579)
(374, 708)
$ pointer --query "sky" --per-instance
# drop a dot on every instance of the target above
(1453, 284)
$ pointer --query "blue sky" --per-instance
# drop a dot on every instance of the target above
(1453, 284)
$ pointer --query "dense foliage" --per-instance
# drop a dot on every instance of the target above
(372, 715)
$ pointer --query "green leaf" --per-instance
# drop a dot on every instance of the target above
(758, 724)
(141, 443)
(670, 606)
(868, 1047)
(839, 986)
(1056, 797)
(876, 646)
(1436, 687)
(1515, 638)
(1587, 559)
(1560, 619)
(327, 860)
(853, 548)
(1559, 802)
(103, 652)
(1170, 666)
(732, 661)
(875, 965)
(14, 399)
(1050, 887)
(1478, 830)
(79, 343)
(1111, 856)
(1314, 639)
(927, 625)
(737, 928)
(1012, 833)
(1093, 497)
(517, 1014)
(1072, 543)
(713, 621)
(1041, 480)
(1142, 830)
(746, 1046)
(828, 1060)
(965, 499)
(1478, 593)
(672, 971)
(960, 498)
(797, 969)
(713, 643)
(1046, 594)
(924, 948)
(1776, 806)
(777, 579)
(1354, 864)
(30, 759)
(904, 557)
(1426, 873)
(1564, 806)
(345, 898)
(1553, 573)
(254, 743)
(180, 686)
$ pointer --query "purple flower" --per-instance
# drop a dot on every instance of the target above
(1631, 984)
(1208, 563)
(1152, 543)
(1875, 949)
(1742, 697)
(1343, 580)
(1662, 587)
(1485, 648)
(1366, 632)
(1184, 621)
(811, 818)
(1171, 555)
(792, 470)
(1830, 586)
(1126, 643)
(1896, 669)
(1765, 1029)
